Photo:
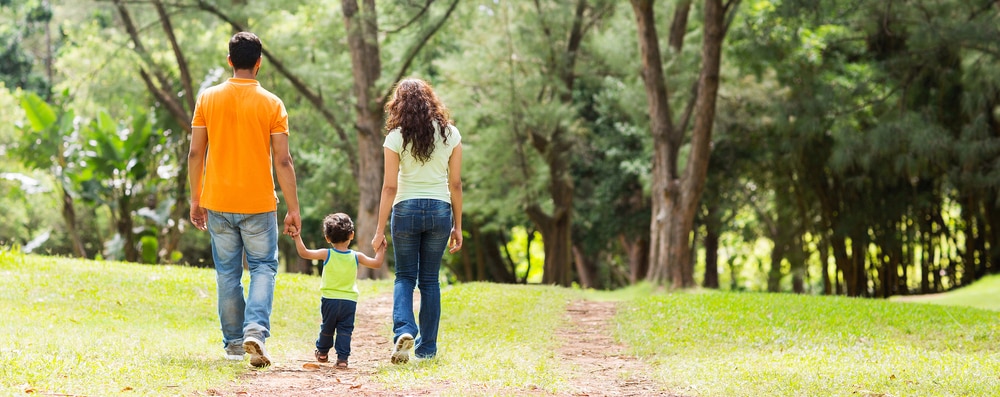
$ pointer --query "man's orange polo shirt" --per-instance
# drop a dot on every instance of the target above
(240, 117)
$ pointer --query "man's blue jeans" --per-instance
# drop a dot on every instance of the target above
(257, 236)
(420, 231)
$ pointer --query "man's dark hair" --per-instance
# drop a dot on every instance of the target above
(338, 227)
(244, 50)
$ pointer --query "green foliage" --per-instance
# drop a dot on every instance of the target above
(804, 346)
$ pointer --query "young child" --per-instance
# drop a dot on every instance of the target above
(339, 290)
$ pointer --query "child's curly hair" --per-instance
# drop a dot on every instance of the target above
(338, 227)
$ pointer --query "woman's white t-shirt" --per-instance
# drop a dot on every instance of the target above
(427, 180)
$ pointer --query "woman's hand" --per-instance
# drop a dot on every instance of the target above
(378, 240)
(456, 240)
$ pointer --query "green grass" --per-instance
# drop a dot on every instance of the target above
(732, 344)
(97, 328)
(983, 294)
(78, 327)
(499, 342)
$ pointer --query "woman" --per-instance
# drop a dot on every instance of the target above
(423, 191)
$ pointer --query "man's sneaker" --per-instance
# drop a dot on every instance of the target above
(401, 352)
(258, 355)
(235, 352)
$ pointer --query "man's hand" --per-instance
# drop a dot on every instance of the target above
(293, 223)
(199, 217)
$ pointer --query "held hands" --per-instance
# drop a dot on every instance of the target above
(378, 241)
(456, 240)
(293, 223)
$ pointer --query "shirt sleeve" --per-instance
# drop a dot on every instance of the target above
(280, 125)
(454, 137)
(394, 141)
(199, 114)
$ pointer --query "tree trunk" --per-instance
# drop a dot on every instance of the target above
(824, 260)
(675, 200)
(637, 252)
(586, 268)
(366, 66)
(69, 217)
(556, 234)
(124, 227)
(711, 258)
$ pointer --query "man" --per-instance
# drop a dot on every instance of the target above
(238, 130)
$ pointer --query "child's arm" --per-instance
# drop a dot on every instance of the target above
(375, 262)
(308, 253)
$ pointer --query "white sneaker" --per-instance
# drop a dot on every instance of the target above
(258, 355)
(401, 352)
(235, 352)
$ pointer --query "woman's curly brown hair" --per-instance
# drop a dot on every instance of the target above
(413, 108)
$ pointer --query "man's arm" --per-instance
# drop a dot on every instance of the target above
(285, 171)
(196, 171)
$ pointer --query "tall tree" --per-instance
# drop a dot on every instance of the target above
(675, 196)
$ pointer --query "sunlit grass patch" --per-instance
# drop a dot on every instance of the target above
(731, 344)
(497, 338)
(983, 294)
(81, 327)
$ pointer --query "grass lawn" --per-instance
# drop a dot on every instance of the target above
(78, 327)
(983, 294)
(733, 344)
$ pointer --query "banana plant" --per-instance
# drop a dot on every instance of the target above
(121, 157)
(50, 143)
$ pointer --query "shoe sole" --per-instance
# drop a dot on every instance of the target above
(233, 357)
(402, 353)
(257, 357)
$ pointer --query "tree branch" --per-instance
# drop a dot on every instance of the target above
(315, 99)
(422, 40)
(423, 10)
(182, 64)
(163, 91)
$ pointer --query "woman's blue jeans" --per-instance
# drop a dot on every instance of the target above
(420, 230)
(257, 236)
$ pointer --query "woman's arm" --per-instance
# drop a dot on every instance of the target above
(455, 187)
(390, 182)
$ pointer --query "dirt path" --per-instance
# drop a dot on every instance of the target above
(595, 364)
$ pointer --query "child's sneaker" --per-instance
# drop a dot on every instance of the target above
(235, 352)
(401, 352)
(258, 355)
(321, 357)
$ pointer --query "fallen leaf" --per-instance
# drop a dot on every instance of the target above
(356, 386)
(311, 366)
(127, 388)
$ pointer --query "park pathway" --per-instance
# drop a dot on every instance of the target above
(594, 364)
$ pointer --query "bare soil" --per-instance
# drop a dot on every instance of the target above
(595, 364)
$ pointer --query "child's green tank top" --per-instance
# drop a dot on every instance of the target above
(340, 272)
